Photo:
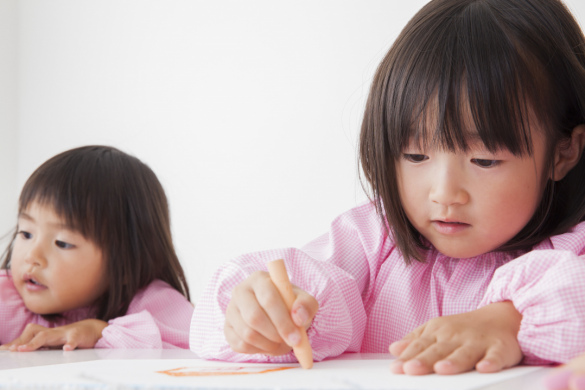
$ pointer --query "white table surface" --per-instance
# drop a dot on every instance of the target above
(24, 360)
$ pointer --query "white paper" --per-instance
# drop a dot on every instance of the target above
(202, 374)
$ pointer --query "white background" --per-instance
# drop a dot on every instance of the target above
(248, 111)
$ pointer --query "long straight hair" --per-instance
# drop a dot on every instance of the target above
(502, 63)
(117, 202)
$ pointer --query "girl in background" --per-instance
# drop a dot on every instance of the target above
(92, 263)
(468, 253)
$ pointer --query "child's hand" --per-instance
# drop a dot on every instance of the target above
(82, 334)
(570, 376)
(484, 338)
(258, 321)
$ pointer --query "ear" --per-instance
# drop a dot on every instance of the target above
(568, 152)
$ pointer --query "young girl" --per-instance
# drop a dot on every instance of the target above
(92, 263)
(468, 253)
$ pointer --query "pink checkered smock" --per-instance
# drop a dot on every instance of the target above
(368, 297)
(158, 317)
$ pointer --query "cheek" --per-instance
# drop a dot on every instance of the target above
(512, 204)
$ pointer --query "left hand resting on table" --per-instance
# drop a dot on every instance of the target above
(485, 338)
(82, 334)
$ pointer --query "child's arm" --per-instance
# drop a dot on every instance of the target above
(538, 296)
(82, 334)
(483, 338)
(158, 317)
(337, 270)
(547, 288)
(258, 321)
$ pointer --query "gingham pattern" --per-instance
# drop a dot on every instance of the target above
(158, 317)
(368, 297)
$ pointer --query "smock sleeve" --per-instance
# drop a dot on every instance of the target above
(13, 313)
(158, 317)
(548, 288)
(336, 268)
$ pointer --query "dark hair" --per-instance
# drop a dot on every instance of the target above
(495, 63)
(117, 202)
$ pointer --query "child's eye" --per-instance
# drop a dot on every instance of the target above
(485, 163)
(416, 158)
(63, 245)
(25, 235)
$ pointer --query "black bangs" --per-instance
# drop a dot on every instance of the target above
(74, 186)
(467, 79)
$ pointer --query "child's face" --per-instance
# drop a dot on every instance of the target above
(54, 268)
(470, 203)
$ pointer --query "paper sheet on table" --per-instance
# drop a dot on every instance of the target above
(202, 374)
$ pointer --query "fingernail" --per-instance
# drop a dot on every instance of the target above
(294, 338)
(558, 380)
(578, 382)
(301, 316)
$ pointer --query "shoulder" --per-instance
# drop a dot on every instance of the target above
(363, 218)
(573, 240)
(158, 296)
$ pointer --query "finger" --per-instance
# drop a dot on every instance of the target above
(462, 359)
(240, 346)
(424, 362)
(398, 347)
(248, 336)
(409, 347)
(38, 341)
(304, 308)
(247, 298)
(498, 357)
(73, 339)
(246, 312)
(27, 334)
(280, 317)
(415, 347)
(236, 342)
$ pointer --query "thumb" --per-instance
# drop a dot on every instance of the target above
(304, 309)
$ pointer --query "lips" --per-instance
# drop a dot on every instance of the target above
(449, 226)
(32, 283)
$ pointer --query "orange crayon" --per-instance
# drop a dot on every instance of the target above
(277, 271)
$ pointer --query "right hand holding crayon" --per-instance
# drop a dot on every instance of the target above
(258, 321)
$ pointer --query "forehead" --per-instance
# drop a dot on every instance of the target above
(44, 213)
(461, 123)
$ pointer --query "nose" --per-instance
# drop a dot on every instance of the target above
(448, 185)
(35, 255)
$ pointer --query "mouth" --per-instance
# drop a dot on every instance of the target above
(449, 227)
(447, 222)
(32, 283)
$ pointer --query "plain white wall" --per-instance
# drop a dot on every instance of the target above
(8, 118)
(248, 111)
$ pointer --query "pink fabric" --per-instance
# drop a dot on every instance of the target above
(158, 317)
(368, 297)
